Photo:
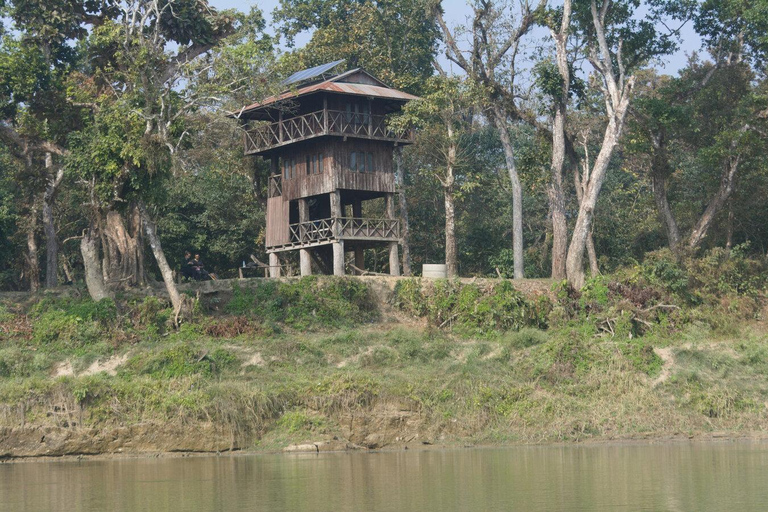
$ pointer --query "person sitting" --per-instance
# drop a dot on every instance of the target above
(204, 274)
(189, 268)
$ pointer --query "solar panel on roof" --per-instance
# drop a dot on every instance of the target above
(311, 72)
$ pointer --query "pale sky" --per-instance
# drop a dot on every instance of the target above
(457, 12)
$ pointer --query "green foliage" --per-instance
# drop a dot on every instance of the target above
(179, 360)
(293, 422)
(641, 356)
(408, 296)
(469, 309)
(395, 40)
(70, 323)
(526, 337)
(594, 293)
(306, 302)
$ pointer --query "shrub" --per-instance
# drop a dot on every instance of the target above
(180, 360)
(68, 323)
(470, 309)
(526, 337)
(306, 302)
(408, 297)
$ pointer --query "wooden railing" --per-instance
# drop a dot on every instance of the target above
(275, 188)
(322, 122)
(344, 227)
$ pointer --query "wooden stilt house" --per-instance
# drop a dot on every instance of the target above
(330, 152)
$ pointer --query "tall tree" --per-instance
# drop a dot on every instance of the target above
(444, 117)
(617, 44)
(139, 101)
(395, 40)
(35, 116)
(491, 63)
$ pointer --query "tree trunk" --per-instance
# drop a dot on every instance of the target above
(660, 172)
(616, 91)
(33, 267)
(405, 232)
(716, 204)
(667, 218)
(555, 191)
(51, 243)
(123, 254)
(594, 268)
(135, 226)
(557, 196)
(575, 261)
(94, 278)
(517, 191)
(69, 276)
(579, 184)
(162, 263)
(450, 233)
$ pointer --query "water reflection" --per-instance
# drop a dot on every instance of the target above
(665, 477)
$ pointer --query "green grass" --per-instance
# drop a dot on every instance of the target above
(310, 368)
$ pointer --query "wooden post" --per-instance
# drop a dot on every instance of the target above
(389, 203)
(303, 217)
(357, 213)
(274, 265)
(370, 119)
(280, 126)
(325, 114)
(305, 260)
(337, 211)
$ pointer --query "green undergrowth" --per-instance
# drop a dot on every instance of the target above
(297, 361)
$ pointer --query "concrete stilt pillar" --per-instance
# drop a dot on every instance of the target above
(305, 262)
(274, 265)
(338, 258)
(394, 259)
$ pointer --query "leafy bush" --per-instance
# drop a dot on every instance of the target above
(470, 309)
(69, 323)
(180, 360)
(306, 302)
(408, 297)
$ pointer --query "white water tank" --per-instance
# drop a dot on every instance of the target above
(435, 270)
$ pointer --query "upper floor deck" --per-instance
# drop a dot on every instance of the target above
(270, 135)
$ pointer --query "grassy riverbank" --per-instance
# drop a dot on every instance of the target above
(327, 360)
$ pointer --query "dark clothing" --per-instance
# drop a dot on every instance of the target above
(199, 267)
(190, 270)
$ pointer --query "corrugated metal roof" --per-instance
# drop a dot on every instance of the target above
(331, 86)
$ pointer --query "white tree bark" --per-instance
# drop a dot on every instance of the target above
(617, 92)
(162, 262)
(517, 192)
(94, 279)
(51, 244)
(405, 232)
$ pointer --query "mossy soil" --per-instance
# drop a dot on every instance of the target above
(318, 360)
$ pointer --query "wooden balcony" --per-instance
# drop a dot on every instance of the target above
(323, 122)
(323, 231)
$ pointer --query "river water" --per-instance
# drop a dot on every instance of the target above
(664, 477)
